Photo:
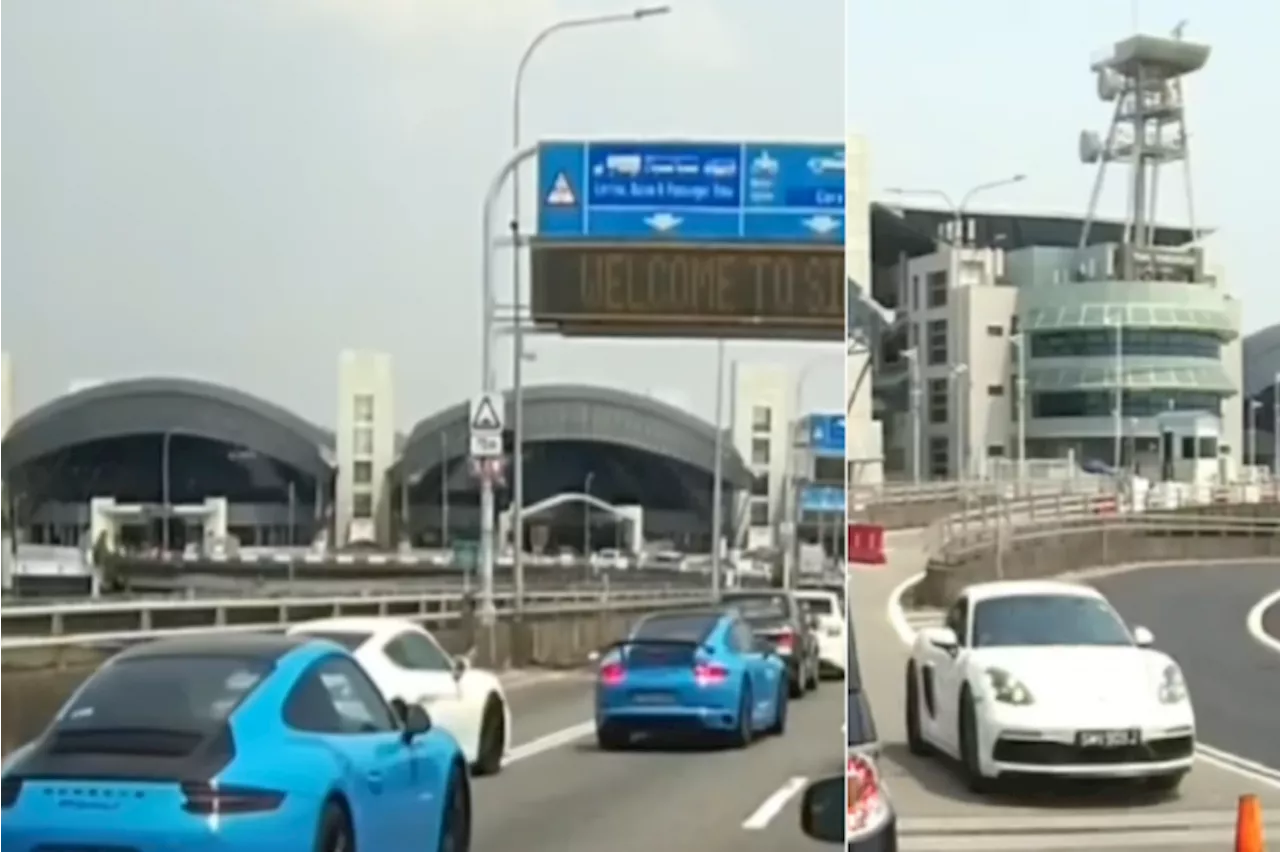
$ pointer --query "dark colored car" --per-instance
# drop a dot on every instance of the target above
(872, 825)
(776, 616)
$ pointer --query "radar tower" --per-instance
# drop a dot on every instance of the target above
(1142, 76)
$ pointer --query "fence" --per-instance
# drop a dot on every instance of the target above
(90, 623)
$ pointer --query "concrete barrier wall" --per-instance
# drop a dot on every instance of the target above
(1245, 531)
(36, 683)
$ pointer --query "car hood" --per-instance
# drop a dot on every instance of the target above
(1080, 673)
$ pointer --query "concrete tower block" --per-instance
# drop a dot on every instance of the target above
(366, 448)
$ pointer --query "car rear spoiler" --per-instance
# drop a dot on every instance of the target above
(670, 643)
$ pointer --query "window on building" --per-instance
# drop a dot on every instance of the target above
(362, 441)
(362, 473)
(995, 390)
(760, 451)
(829, 471)
(938, 401)
(936, 334)
(759, 513)
(761, 418)
(936, 289)
(1101, 343)
(995, 331)
(760, 485)
(995, 451)
(1145, 403)
(362, 408)
(939, 457)
(362, 505)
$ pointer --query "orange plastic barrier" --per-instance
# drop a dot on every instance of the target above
(1249, 826)
(866, 544)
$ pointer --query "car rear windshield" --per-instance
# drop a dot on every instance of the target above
(349, 639)
(818, 604)
(759, 608)
(682, 627)
(182, 696)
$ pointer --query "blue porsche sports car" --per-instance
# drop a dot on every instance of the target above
(245, 743)
(690, 672)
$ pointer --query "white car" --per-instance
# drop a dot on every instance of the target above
(1044, 678)
(407, 662)
(826, 607)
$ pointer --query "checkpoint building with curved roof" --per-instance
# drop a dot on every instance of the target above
(157, 445)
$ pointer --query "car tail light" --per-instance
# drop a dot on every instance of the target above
(612, 674)
(11, 788)
(785, 641)
(710, 674)
(206, 798)
(868, 809)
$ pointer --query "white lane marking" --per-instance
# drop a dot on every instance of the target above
(1253, 622)
(550, 742)
(772, 806)
(1234, 763)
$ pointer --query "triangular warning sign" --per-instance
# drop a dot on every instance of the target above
(561, 194)
(486, 417)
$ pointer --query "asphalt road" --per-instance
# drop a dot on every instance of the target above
(1271, 620)
(561, 794)
(938, 814)
(1198, 616)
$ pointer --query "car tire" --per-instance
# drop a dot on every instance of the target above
(795, 684)
(915, 739)
(779, 726)
(455, 823)
(1165, 783)
(493, 738)
(335, 833)
(742, 737)
(814, 675)
(969, 763)
(611, 737)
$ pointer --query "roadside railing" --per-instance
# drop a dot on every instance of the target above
(91, 623)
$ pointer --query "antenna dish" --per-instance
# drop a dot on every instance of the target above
(1089, 147)
(1109, 85)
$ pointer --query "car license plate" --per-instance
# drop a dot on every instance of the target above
(1108, 739)
(652, 697)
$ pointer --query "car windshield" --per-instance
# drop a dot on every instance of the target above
(1036, 620)
(682, 627)
(181, 694)
(818, 604)
(758, 608)
(349, 639)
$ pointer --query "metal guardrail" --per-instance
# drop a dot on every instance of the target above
(974, 490)
(90, 623)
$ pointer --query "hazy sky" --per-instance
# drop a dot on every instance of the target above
(237, 189)
(956, 94)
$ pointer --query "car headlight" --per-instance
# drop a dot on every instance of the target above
(1007, 689)
(1173, 689)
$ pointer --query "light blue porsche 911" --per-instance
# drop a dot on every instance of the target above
(247, 743)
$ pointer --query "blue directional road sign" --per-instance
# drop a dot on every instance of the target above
(691, 192)
(822, 499)
(826, 434)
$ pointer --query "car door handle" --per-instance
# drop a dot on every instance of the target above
(374, 777)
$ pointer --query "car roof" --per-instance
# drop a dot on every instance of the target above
(378, 627)
(267, 647)
(686, 613)
(1017, 588)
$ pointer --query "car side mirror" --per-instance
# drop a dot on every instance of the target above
(822, 811)
(943, 638)
(1143, 638)
(460, 666)
(416, 722)
(401, 708)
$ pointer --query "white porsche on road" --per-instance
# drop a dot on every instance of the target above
(407, 662)
(1044, 678)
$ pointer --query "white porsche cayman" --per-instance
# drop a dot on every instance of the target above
(407, 662)
(1044, 678)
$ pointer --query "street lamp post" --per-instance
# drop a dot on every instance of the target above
(1255, 406)
(960, 402)
(165, 500)
(517, 341)
(1019, 340)
(914, 396)
(717, 472)
(958, 210)
(586, 516)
